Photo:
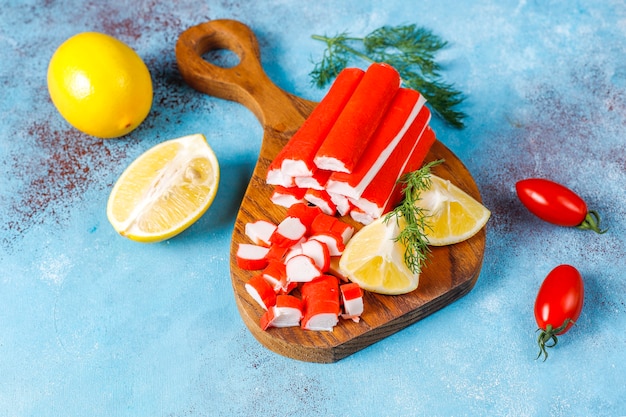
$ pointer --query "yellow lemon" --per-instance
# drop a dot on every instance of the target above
(165, 190)
(375, 260)
(99, 85)
(452, 215)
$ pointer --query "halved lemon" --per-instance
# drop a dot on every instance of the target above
(375, 260)
(452, 215)
(165, 190)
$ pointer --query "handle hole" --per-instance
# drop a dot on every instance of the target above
(224, 58)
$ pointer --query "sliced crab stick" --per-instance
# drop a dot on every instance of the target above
(261, 291)
(286, 313)
(302, 268)
(321, 303)
(374, 198)
(341, 202)
(276, 275)
(393, 129)
(318, 251)
(317, 181)
(325, 223)
(334, 242)
(352, 300)
(358, 121)
(321, 199)
(251, 257)
(260, 231)
(287, 196)
(296, 157)
(305, 213)
(288, 232)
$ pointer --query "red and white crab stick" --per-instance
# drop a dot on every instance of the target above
(358, 121)
(384, 192)
(321, 303)
(393, 130)
(296, 158)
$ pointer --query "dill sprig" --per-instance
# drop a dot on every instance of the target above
(409, 49)
(413, 234)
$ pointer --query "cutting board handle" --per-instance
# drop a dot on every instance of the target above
(245, 83)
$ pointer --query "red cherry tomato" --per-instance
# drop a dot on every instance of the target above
(558, 305)
(556, 204)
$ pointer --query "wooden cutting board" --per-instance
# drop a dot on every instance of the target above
(450, 272)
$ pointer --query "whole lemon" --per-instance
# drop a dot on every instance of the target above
(99, 85)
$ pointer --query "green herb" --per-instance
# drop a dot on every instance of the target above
(409, 49)
(413, 234)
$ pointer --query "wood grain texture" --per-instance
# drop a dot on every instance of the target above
(450, 272)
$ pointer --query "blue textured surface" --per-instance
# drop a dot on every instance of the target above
(94, 324)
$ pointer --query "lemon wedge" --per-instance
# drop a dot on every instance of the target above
(452, 215)
(375, 260)
(165, 190)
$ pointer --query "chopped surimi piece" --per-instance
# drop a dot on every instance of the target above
(352, 299)
(302, 268)
(317, 251)
(341, 202)
(288, 196)
(324, 223)
(390, 133)
(373, 201)
(278, 178)
(293, 251)
(276, 275)
(251, 257)
(276, 253)
(288, 232)
(261, 291)
(317, 181)
(305, 213)
(286, 313)
(321, 303)
(334, 242)
(296, 157)
(358, 121)
(260, 231)
(361, 216)
(321, 199)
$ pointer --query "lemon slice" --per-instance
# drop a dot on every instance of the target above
(453, 215)
(375, 261)
(164, 190)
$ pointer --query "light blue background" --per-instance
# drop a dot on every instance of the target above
(92, 324)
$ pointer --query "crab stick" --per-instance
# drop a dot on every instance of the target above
(321, 303)
(318, 251)
(334, 242)
(393, 130)
(305, 213)
(325, 223)
(287, 312)
(288, 232)
(260, 231)
(321, 199)
(276, 275)
(287, 196)
(302, 268)
(296, 157)
(352, 300)
(408, 156)
(251, 257)
(261, 291)
(316, 181)
(358, 121)
(341, 202)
